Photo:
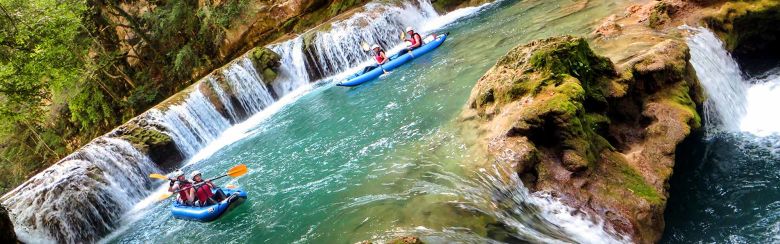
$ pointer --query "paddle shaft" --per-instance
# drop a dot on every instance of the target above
(201, 183)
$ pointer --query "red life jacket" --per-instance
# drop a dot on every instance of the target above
(203, 193)
(415, 36)
(378, 57)
(184, 195)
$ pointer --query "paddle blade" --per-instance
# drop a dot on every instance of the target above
(403, 35)
(164, 196)
(237, 171)
(365, 46)
(158, 176)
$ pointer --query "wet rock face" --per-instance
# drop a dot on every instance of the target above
(748, 28)
(266, 62)
(600, 137)
(7, 234)
(150, 137)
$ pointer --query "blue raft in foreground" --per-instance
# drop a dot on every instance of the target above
(209, 213)
(394, 62)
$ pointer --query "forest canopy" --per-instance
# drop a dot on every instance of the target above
(73, 69)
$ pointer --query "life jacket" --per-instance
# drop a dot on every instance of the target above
(378, 56)
(203, 193)
(414, 39)
(184, 195)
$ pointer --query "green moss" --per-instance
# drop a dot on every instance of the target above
(678, 95)
(634, 182)
(748, 27)
(659, 15)
(265, 60)
(144, 138)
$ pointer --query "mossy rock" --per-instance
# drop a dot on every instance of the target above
(266, 61)
(144, 137)
(748, 28)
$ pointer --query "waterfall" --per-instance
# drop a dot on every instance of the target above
(722, 80)
(733, 103)
(81, 197)
(293, 73)
(194, 123)
(247, 85)
(339, 49)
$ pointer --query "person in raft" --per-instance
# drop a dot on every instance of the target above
(415, 40)
(379, 54)
(181, 185)
(203, 191)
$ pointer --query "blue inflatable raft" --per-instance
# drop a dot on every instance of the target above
(209, 213)
(395, 61)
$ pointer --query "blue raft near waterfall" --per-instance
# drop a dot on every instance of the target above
(212, 212)
(395, 61)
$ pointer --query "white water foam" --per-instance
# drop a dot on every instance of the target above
(762, 117)
(539, 217)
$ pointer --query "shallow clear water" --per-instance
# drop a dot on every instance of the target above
(386, 158)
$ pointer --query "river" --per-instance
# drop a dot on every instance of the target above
(339, 165)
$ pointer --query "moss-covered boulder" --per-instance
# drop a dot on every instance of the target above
(444, 6)
(7, 233)
(748, 28)
(602, 139)
(266, 62)
(149, 137)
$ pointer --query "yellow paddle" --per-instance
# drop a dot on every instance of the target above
(234, 172)
(159, 177)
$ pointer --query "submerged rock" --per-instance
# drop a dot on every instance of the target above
(604, 141)
(7, 234)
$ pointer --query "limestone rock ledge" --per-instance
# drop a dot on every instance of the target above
(749, 28)
(601, 139)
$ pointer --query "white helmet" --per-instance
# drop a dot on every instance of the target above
(177, 173)
(409, 28)
(194, 173)
(375, 46)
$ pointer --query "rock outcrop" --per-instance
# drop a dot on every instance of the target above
(600, 138)
(7, 234)
(748, 28)
(266, 62)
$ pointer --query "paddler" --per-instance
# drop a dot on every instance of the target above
(181, 185)
(415, 39)
(379, 54)
(203, 190)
